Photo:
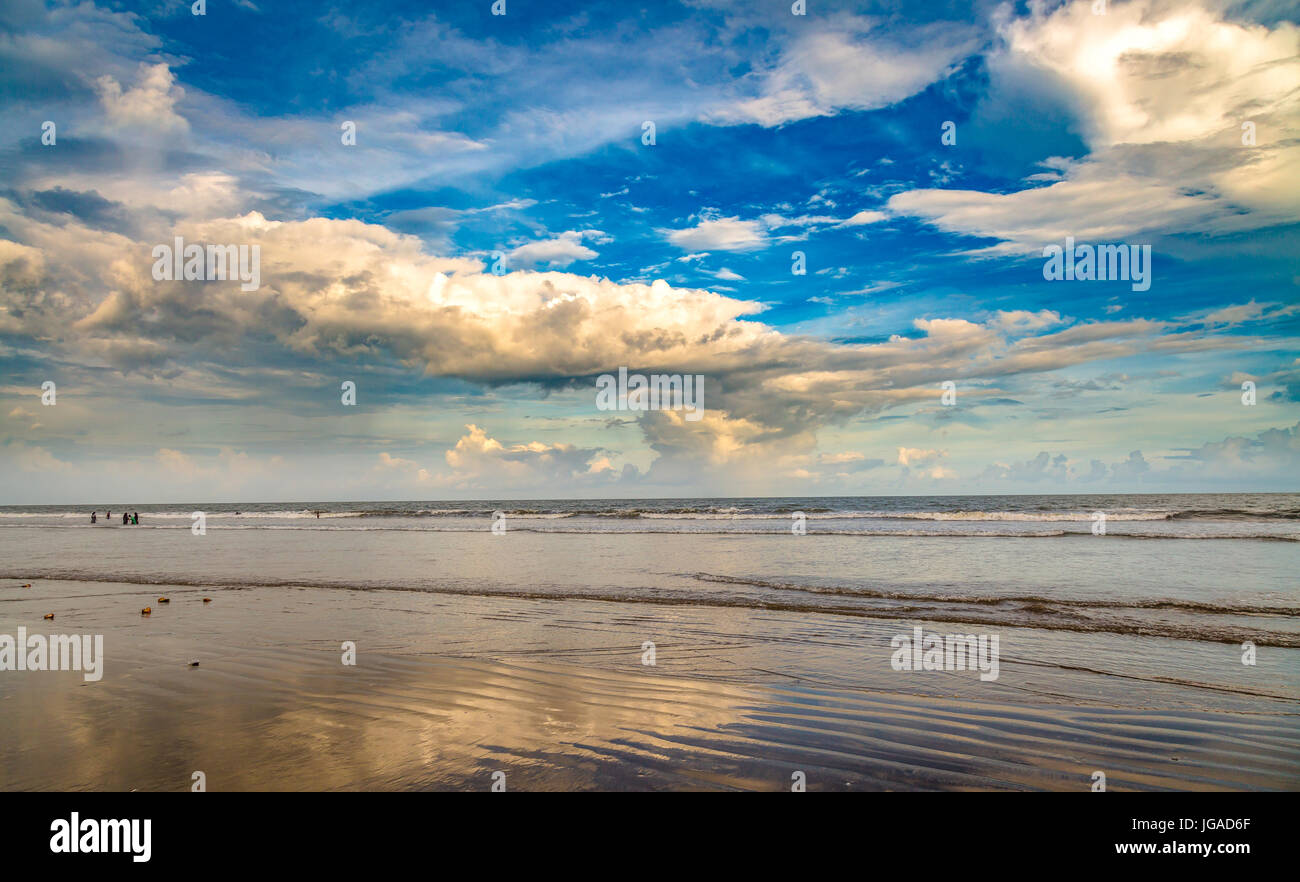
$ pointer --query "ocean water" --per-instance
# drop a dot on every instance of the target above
(1191, 516)
(1208, 568)
(1133, 637)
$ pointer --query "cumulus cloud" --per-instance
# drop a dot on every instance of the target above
(916, 461)
(235, 468)
(560, 251)
(36, 459)
(1159, 71)
(1043, 467)
(1273, 451)
(1163, 87)
(1237, 460)
(350, 292)
(478, 460)
(148, 105)
(480, 463)
(916, 456)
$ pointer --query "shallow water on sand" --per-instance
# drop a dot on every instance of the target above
(737, 700)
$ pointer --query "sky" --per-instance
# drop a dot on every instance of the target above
(472, 216)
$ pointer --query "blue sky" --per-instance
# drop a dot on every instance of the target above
(522, 136)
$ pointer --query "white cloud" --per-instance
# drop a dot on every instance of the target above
(478, 460)
(228, 467)
(561, 251)
(847, 64)
(1231, 316)
(149, 105)
(388, 461)
(841, 458)
(39, 460)
(1095, 203)
(1163, 88)
(343, 290)
(862, 218)
(720, 234)
(1024, 321)
(1272, 451)
(915, 456)
(1159, 71)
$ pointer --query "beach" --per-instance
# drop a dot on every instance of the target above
(660, 645)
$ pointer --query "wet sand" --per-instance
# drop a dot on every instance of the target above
(449, 689)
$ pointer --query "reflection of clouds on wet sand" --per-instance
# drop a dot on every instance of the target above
(283, 720)
(450, 687)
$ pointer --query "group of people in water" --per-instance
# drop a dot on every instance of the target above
(128, 518)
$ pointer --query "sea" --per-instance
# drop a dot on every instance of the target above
(1203, 567)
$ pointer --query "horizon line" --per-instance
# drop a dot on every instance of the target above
(309, 502)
